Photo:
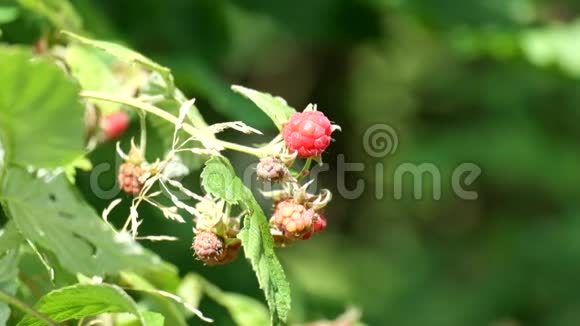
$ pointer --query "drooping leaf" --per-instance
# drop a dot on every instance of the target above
(219, 179)
(60, 13)
(8, 280)
(83, 300)
(41, 118)
(127, 55)
(168, 308)
(49, 212)
(275, 107)
(190, 289)
(259, 249)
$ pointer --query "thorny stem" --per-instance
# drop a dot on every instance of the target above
(143, 135)
(25, 308)
(193, 131)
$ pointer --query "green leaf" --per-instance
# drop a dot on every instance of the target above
(49, 212)
(190, 290)
(41, 118)
(127, 55)
(2, 157)
(83, 300)
(275, 107)
(10, 238)
(153, 318)
(60, 13)
(259, 249)
(93, 72)
(166, 306)
(218, 178)
(8, 280)
(8, 14)
(554, 45)
(245, 311)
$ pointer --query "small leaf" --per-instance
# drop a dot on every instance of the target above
(275, 107)
(83, 300)
(60, 13)
(127, 55)
(52, 214)
(218, 178)
(41, 118)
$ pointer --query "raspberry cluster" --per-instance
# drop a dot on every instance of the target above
(295, 220)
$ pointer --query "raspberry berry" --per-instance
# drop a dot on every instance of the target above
(271, 169)
(114, 124)
(212, 250)
(129, 177)
(293, 219)
(318, 224)
(308, 133)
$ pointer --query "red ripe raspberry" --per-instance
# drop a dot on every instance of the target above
(318, 225)
(128, 177)
(293, 219)
(115, 124)
(211, 249)
(308, 133)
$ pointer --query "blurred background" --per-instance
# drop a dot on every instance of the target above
(491, 82)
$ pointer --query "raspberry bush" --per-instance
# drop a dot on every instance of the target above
(88, 265)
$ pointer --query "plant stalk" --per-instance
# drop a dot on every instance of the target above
(188, 128)
(25, 308)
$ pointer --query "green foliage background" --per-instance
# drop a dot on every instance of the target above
(489, 82)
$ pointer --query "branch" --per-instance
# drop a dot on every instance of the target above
(26, 308)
